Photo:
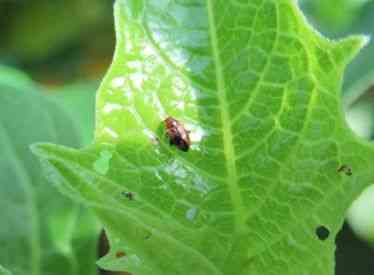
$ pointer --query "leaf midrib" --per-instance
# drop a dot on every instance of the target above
(229, 150)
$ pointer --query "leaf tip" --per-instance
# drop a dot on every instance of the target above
(35, 149)
(38, 149)
(346, 49)
(365, 40)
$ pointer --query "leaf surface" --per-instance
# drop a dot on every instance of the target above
(258, 89)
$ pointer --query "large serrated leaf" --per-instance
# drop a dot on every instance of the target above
(271, 154)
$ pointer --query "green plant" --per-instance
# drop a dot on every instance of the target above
(3, 271)
(337, 18)
(273, 166)
(41, 232)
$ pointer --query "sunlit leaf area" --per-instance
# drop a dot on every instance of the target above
(178, 137)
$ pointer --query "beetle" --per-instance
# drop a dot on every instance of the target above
(177, 134)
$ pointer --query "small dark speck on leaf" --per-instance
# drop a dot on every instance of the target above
(346, 169)
(128, 195)
(322, 232)
(120, 254)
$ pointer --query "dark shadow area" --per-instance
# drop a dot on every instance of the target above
(353, 256)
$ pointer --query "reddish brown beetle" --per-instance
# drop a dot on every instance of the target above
(177, 134)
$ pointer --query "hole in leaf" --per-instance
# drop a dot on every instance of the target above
(322, 232)
(345, 169)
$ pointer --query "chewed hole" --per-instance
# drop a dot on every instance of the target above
(345, 169)
(322, 232)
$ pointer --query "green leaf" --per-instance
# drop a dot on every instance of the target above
(4, 271)
(258, 89)
(39, 226)
(358, 102)
(364, 12)
(334, 18)
(15, 78)
(79, 101)
(362, 64)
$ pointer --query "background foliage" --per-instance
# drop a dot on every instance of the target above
(42, 232)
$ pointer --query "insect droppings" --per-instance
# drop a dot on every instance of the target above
(177, 134)
(346, 169)
(129, 195)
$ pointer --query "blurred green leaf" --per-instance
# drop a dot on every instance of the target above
(363, 64)
(15, 78)
(79, 101)
(259, 91)
(38, 225)
(359, 105)
(360, 215)
(337, 14)
(4, 271)
(359, 91)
